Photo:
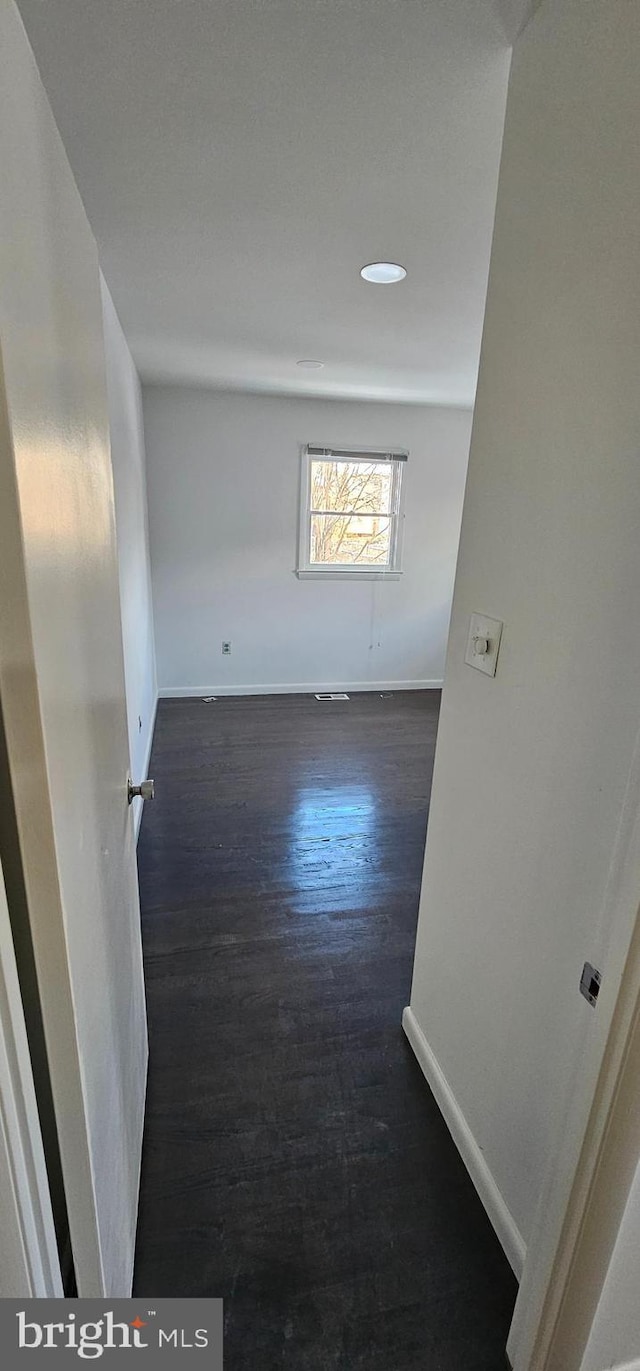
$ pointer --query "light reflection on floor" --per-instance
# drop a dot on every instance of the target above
(333, 854)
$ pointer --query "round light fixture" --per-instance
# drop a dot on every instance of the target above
(383, 273)
(310, 364)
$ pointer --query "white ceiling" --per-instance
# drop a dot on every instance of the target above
(240, 160)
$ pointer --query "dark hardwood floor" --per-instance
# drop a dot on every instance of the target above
(295, 1162)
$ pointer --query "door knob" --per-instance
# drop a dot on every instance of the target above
(145, 790)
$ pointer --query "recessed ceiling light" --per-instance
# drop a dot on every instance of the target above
(383, 273)
(310, 364)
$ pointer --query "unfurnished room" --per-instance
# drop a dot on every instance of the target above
(319, 715)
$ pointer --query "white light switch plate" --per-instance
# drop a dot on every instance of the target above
(481, 627)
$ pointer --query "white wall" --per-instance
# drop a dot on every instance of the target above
(129, 479)
(531, 767)
(615, 1333)
(223, 481)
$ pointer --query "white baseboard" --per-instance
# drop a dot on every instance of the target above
(139, 804)
(303, 688)
(501, 1218)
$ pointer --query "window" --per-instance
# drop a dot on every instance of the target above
(350, 515)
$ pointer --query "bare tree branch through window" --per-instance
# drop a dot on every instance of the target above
(351, 512)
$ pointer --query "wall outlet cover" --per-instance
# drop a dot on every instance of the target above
(483, 643)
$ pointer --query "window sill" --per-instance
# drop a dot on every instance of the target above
(345, 574)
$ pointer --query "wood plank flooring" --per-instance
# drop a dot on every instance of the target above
(295, 1162)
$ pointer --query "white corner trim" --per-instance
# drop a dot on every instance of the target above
(299, 688)
(485, 1184)
(139, 804)
(29, 1263)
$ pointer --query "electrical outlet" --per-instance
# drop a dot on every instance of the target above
(226, 649)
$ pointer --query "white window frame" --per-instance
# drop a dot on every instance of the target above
(311, 571)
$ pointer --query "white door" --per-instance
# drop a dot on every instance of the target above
(62, 677)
